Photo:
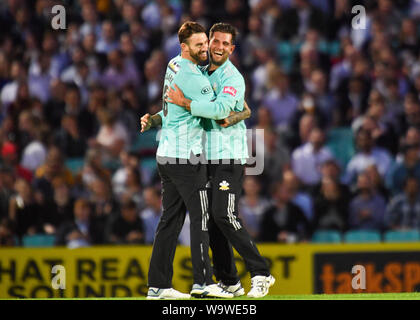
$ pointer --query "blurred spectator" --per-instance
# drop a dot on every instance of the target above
(300, 196)
(152, 91)
(93, 168)
(367, 154)
(400, 171)
(7, 179)
(10, 160)
(91, 22)
(82, 231)
(118, 74)
(254, 39)
(133, 188)
(275, 155)
(18, 75)
(411, 115)
(127, 228)
(112, 136)
(324, 100)
(55, 107)
(104, 205)
(69, 139)
(198, 11)
(7, 238)
(125, 115)
(307, 117)
(107, 40)
(281, 103)
(252, 205)
(368, 207)
(283, 222)
(128, 161)
(24, 212)
(343, 69)
(308, 158)
(378, 182)
(54, 166)
(331, 207)
(403, 211)
(152, 213)
(59, 209)
(35, 152)
(296, 21)
(381, 125)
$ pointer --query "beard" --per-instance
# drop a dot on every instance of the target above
(197, 57)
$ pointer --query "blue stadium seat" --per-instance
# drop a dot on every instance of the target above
(402, 236)
(286, 53)
(341, 143)
(38, 240)
(326, 236)
(145, 140)
(75, 164)
(361, 236)
(334, 48)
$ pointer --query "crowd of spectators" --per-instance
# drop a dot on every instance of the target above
(339, 106)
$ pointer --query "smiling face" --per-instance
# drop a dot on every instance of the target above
(221, 47)
(196, 46)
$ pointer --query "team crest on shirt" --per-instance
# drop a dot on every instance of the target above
(173, 66)
(224, 185)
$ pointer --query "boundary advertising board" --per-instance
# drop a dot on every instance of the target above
(121, 271)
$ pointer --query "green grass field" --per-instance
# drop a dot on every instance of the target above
(355, 296)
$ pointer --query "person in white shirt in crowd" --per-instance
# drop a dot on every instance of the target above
(112, 136)
(367, 154)
(309, 157)
(107, 41)
(279, 100)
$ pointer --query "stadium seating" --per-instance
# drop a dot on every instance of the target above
(341, 143)
(361, 236)
(402, 236)
(38, 240)
(145, 141)
(326, 236)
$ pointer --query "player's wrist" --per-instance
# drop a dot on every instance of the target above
(187, 104)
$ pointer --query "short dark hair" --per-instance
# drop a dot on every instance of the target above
(128, 204)
(188, 29)
(224, 28)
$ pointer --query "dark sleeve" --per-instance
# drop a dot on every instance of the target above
(62, 232)
(302, 225)
(268, 230)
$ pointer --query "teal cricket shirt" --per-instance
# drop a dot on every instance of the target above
(181, 131)
(229, 86)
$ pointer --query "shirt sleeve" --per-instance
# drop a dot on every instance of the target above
(232, 92)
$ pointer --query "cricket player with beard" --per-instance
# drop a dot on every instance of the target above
(183, 177)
